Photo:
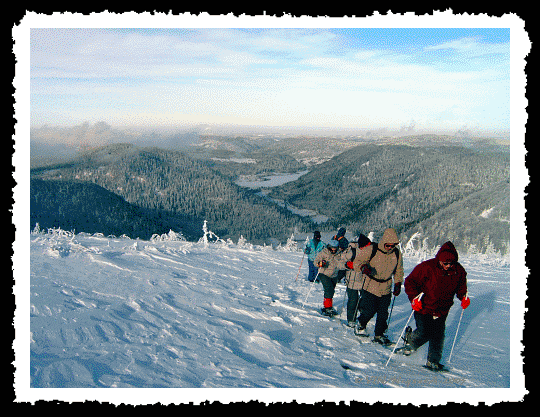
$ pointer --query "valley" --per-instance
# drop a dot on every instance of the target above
(267, 188)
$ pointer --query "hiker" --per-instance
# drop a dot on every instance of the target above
(354, 279)
(343, 244)
(440, 279)
(329, 262)
(313, 247)
(340, 237)
(380, 264)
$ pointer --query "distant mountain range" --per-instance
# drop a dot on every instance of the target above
(439, 187)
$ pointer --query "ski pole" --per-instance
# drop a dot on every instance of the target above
(457, 330)
(358, 300)
(310, 288)
(391, 309)
(419, 296)
(300, 267)
(345, 296)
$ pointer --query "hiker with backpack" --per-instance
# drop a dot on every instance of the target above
(381, 265)
(313, 247)
(343, 245)
(438, 280)
(330, 262)
(354, 279)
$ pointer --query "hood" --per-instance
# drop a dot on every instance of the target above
(341, 232)
(447, 252)
(389, 236)
(363, 240)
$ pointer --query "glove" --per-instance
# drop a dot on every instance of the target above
(349, 265)
(397, 289)
(322, 264)
(307, 250)
(465, 302)
(416, 304)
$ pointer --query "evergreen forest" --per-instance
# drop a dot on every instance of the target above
(437, 193)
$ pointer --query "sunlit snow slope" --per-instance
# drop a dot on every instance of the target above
(115, 312)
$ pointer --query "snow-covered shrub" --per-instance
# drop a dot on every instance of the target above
(168, 237)
(244, 244)
(290, 246)
(417, 248)
(209, 236)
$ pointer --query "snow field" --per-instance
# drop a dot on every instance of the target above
(118, 313)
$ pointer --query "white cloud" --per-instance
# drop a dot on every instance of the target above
(472, 47)
(284, 77)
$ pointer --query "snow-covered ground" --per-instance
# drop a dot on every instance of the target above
(121, 313)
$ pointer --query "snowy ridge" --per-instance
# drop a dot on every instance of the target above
(167, 313)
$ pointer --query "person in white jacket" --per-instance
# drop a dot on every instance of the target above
(330, 262)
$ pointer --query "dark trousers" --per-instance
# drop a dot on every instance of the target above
(312, 271)
(352, 304)
(329, 285)
(369, 306)
(429, 329)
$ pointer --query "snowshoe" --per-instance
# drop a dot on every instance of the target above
(435, 367)
(329, 311)
(406, 350)
(360, 331)
(383, 340)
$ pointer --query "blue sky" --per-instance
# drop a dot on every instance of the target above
(433, 78)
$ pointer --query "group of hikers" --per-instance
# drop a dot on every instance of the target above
(373, 272)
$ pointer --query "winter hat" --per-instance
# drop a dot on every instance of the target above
(317, 235)
(333, 243)
(341, 231)
(447, 256)
(363, 240)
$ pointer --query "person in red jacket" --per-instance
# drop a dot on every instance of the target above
(431, 288)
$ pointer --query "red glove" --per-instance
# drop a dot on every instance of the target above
(416, 304)
(350, 265)
(465, 302)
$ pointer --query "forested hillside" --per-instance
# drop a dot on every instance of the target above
(87, 207)
(433, 192)
(169, 181)
(371, 187)
(254, 163)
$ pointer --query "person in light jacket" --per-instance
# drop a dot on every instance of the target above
(380, 269)
(330, 262)
(354, 279)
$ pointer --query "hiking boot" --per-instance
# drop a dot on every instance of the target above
(351, 324)
(407, 335)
